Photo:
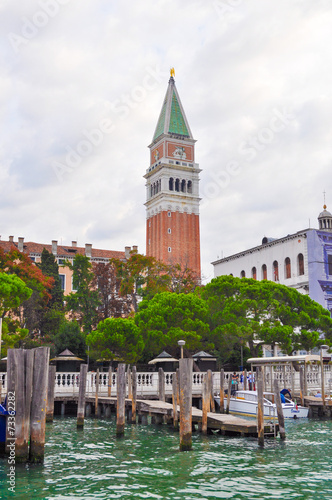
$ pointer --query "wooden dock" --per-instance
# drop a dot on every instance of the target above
(160, 412)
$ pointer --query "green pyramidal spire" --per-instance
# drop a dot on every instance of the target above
(172, 119)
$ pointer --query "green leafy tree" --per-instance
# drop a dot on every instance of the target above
(83, 304)
(49, 267)
(116, 338)
(70, 336)
(140, 276)
(249, 312)
(17, 263)
(169, 317)
(13, 291)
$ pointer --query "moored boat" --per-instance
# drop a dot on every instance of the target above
(245, 403)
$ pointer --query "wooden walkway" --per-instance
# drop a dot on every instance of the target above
(162, 411)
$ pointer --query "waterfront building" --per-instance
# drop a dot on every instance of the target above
(302, 260)
(64, 253)
(172, 188)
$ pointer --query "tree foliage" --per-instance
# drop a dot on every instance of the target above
(83, 304)
(70, 336)
(246, 311)
(108, 284)
(116, 338)
(169, 317)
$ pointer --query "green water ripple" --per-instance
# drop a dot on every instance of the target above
(147, 464)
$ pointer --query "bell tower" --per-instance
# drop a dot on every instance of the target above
(172, 188)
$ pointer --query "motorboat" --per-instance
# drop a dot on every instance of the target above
(245, 403)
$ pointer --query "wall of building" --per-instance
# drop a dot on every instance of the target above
(277, 250)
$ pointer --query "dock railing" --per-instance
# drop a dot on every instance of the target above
(67, 383)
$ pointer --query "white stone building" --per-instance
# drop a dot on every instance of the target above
(302, 260)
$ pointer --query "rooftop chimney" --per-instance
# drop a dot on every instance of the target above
(54, 247)
(74, 244)
(11, 239)
(88, 250)
(127, 252)
(135, 248)
(20, 244)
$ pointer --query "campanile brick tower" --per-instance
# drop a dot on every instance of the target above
(172, 188)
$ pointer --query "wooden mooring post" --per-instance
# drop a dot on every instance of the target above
(205, 403)
(260, 407)
(280, 413)
(121, 396)
(50, 393)
(221, 391)
(109, 386)
(302, 385)
(161, 385)
(133, 394)
(81, 396)
(185, 375)
(19, 389)
(97, 392)
(229, 394)
(175, 393)
(210, 388)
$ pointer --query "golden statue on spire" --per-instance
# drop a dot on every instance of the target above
(172, 72)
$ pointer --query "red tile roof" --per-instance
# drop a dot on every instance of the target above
(65, 251)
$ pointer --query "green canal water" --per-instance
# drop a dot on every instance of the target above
(146, 464)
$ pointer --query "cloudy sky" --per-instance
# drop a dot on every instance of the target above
(81, 88)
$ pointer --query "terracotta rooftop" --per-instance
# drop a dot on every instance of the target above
(63, 251)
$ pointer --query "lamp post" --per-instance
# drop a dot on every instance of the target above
(181, 343)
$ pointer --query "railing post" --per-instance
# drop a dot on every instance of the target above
(109, 386)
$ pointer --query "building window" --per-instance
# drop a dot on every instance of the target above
(149, 242)
(329, 262)
(243, 274)
(61, 262)
(169, 249)
(149, 223)
(287, 268)
(183, 186)
(254, 273)
(300, 264)
(169, 230)
(62, 281)
(169, 214)
(275, 271)
(33, 259)
(177, 185)
(190, 187)
(264, 272)
(171, 184)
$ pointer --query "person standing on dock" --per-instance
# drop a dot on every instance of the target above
(235, 382)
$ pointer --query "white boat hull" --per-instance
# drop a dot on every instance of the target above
(244, 403)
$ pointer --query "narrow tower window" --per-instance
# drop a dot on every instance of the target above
(177, 185)
(171, 184)
(264, 272)
(287, 268)
(254, 273)
(243, 274)
(183, 186)
(300, 264)
(169, 230)
(275, 271)
(190, 187)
